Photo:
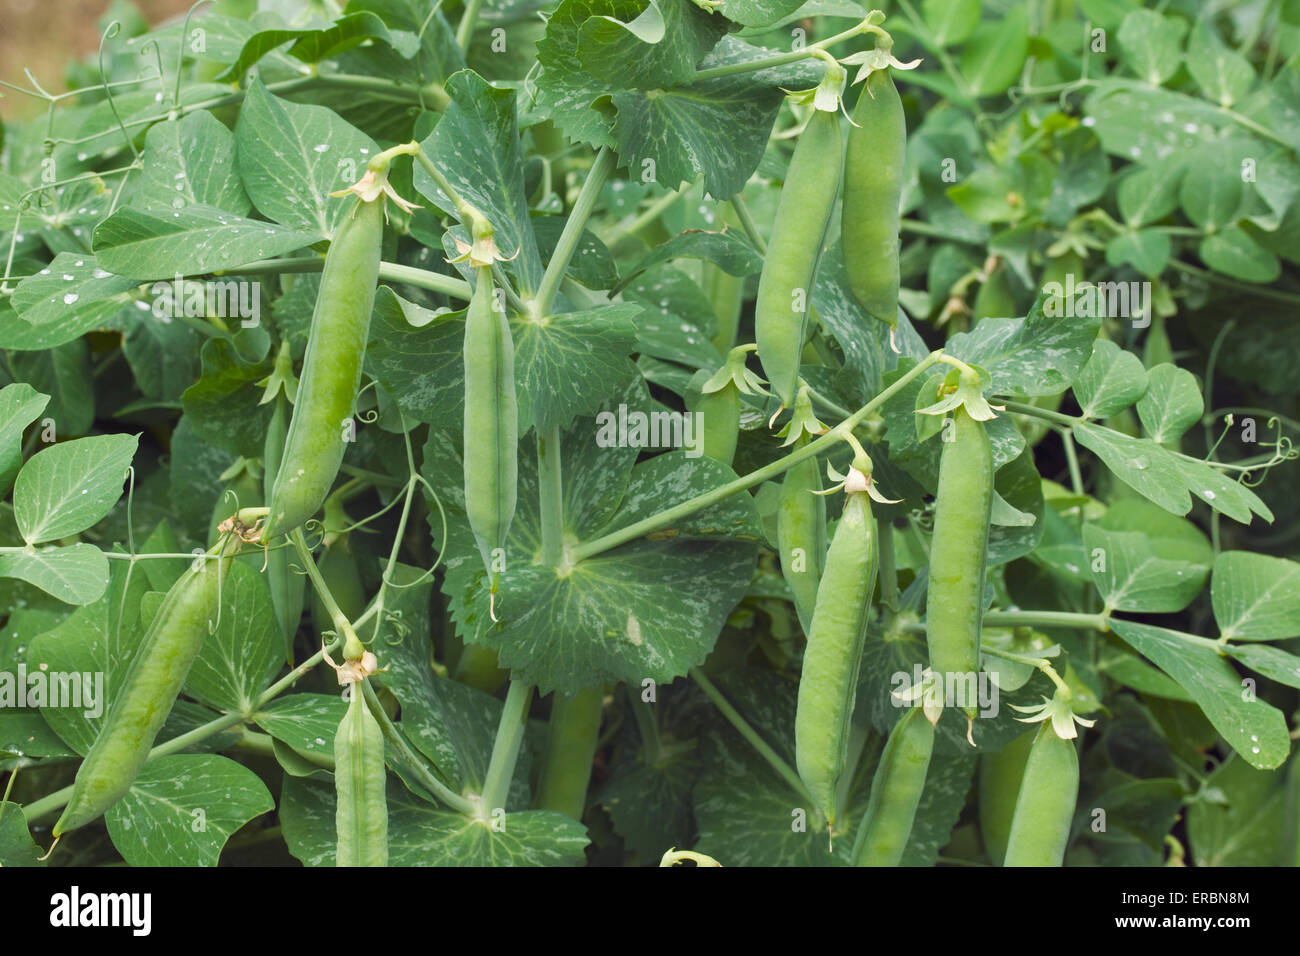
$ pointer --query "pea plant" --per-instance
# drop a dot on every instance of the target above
(654, 432)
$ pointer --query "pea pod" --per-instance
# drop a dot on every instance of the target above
(896, 792)
(360, 781)
(288, 589)
(1000, 776)
(955, 599)
(149, 688)
(873, 186)
(829, 680)
(1040, 827)
(801, 534)
(491, 424)
(720, 422)
(789, 267)
(331, 372)
(727, 293)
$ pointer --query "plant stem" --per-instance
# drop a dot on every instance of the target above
(394, 272)
(1072, 461)
(647, 726)
(505, 750)
(888, 568)
(396, 742)
(570, 749)
(747, 223)
(468, 20)
(550, 481)
(750, 66)
(655, 522)
(1033, 411)
(745, 730)
(572, 232)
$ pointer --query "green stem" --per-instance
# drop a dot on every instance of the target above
(888, 567)
(747, 223)
(647, 726)
(1033, 411)
(750, 66)
(468, 20)
(648, 215)
(570, 749)
(572, 232)
(397, 743)
(745, 730)
(505, 749)
(655, 522)
(1215, 279)
(394, 272)
(352, 646)
(550, 482)
(1072, 461)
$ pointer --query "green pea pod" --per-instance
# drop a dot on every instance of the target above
(491, 424)
(727, 293)
(873, 187)
(1040, 827)
(1000, 776)
(829, 681)
(955, 599)
(895, 792)
(785, 285)
(288, 589)
(360, 781)
(148, 690)
(720, 421)
(801, 534)
(331, 373)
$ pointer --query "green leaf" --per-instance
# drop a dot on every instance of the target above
(306, 722)
(1036, 355)
(570, 363)
(1234, 252)
(191, 160)
(1143, 124)
(1256, 597)
(995, 53)
(65, 300)
(76, 574)
(312, 46)
(1132, 577)
(1223, 494)
(1131, 671)
(1171, 405)
(1152, 44)
(420, 834)
(1146, 250)
(728, 251)
(1140, 463)
(183, 808)
(1111, 381)
(64, 374)
(476, 142)
(68, 487)
(1273, 662)
(950, 21)
(1150, 193)
(156, 244)
(17, 848)
(292, 156)
(223, 407)
(665, 41)
(239, 659)
(1244, 832)
(1211, 191)
(1253, 728)
(20, 405)
(1223, 75)
(759, 13)
(417, 356)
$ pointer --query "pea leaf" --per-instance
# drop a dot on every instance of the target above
(420, 834)
(1112, 380)
(183, 808)
(68, 487)
(1256, 597)
(1253, 728)
(1131, 577)
(1171, 405)
(1243, 830)
(76, 574)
